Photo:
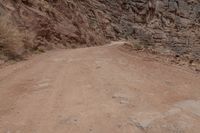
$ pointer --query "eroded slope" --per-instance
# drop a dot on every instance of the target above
(168, 26)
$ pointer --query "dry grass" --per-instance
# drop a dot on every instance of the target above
(11, 40)
(140, 45)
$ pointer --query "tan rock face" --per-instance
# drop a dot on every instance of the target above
(174, 24)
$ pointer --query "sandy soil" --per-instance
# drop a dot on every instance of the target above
(98, 90)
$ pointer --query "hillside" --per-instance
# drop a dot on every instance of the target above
(99, 66)
(166, 26)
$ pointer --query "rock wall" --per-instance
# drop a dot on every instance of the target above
(167, 25)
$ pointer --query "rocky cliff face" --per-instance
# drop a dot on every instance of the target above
(170, 26)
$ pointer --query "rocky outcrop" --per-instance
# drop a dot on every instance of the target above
(163, 24)
(166, 24)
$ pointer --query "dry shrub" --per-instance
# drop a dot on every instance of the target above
(28, 40)
(141, 44)
(11, 39)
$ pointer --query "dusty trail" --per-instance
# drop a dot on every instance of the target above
(98, 90)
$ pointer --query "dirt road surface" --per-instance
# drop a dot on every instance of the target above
(98, 90)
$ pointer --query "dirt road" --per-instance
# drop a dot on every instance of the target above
(98, 90)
